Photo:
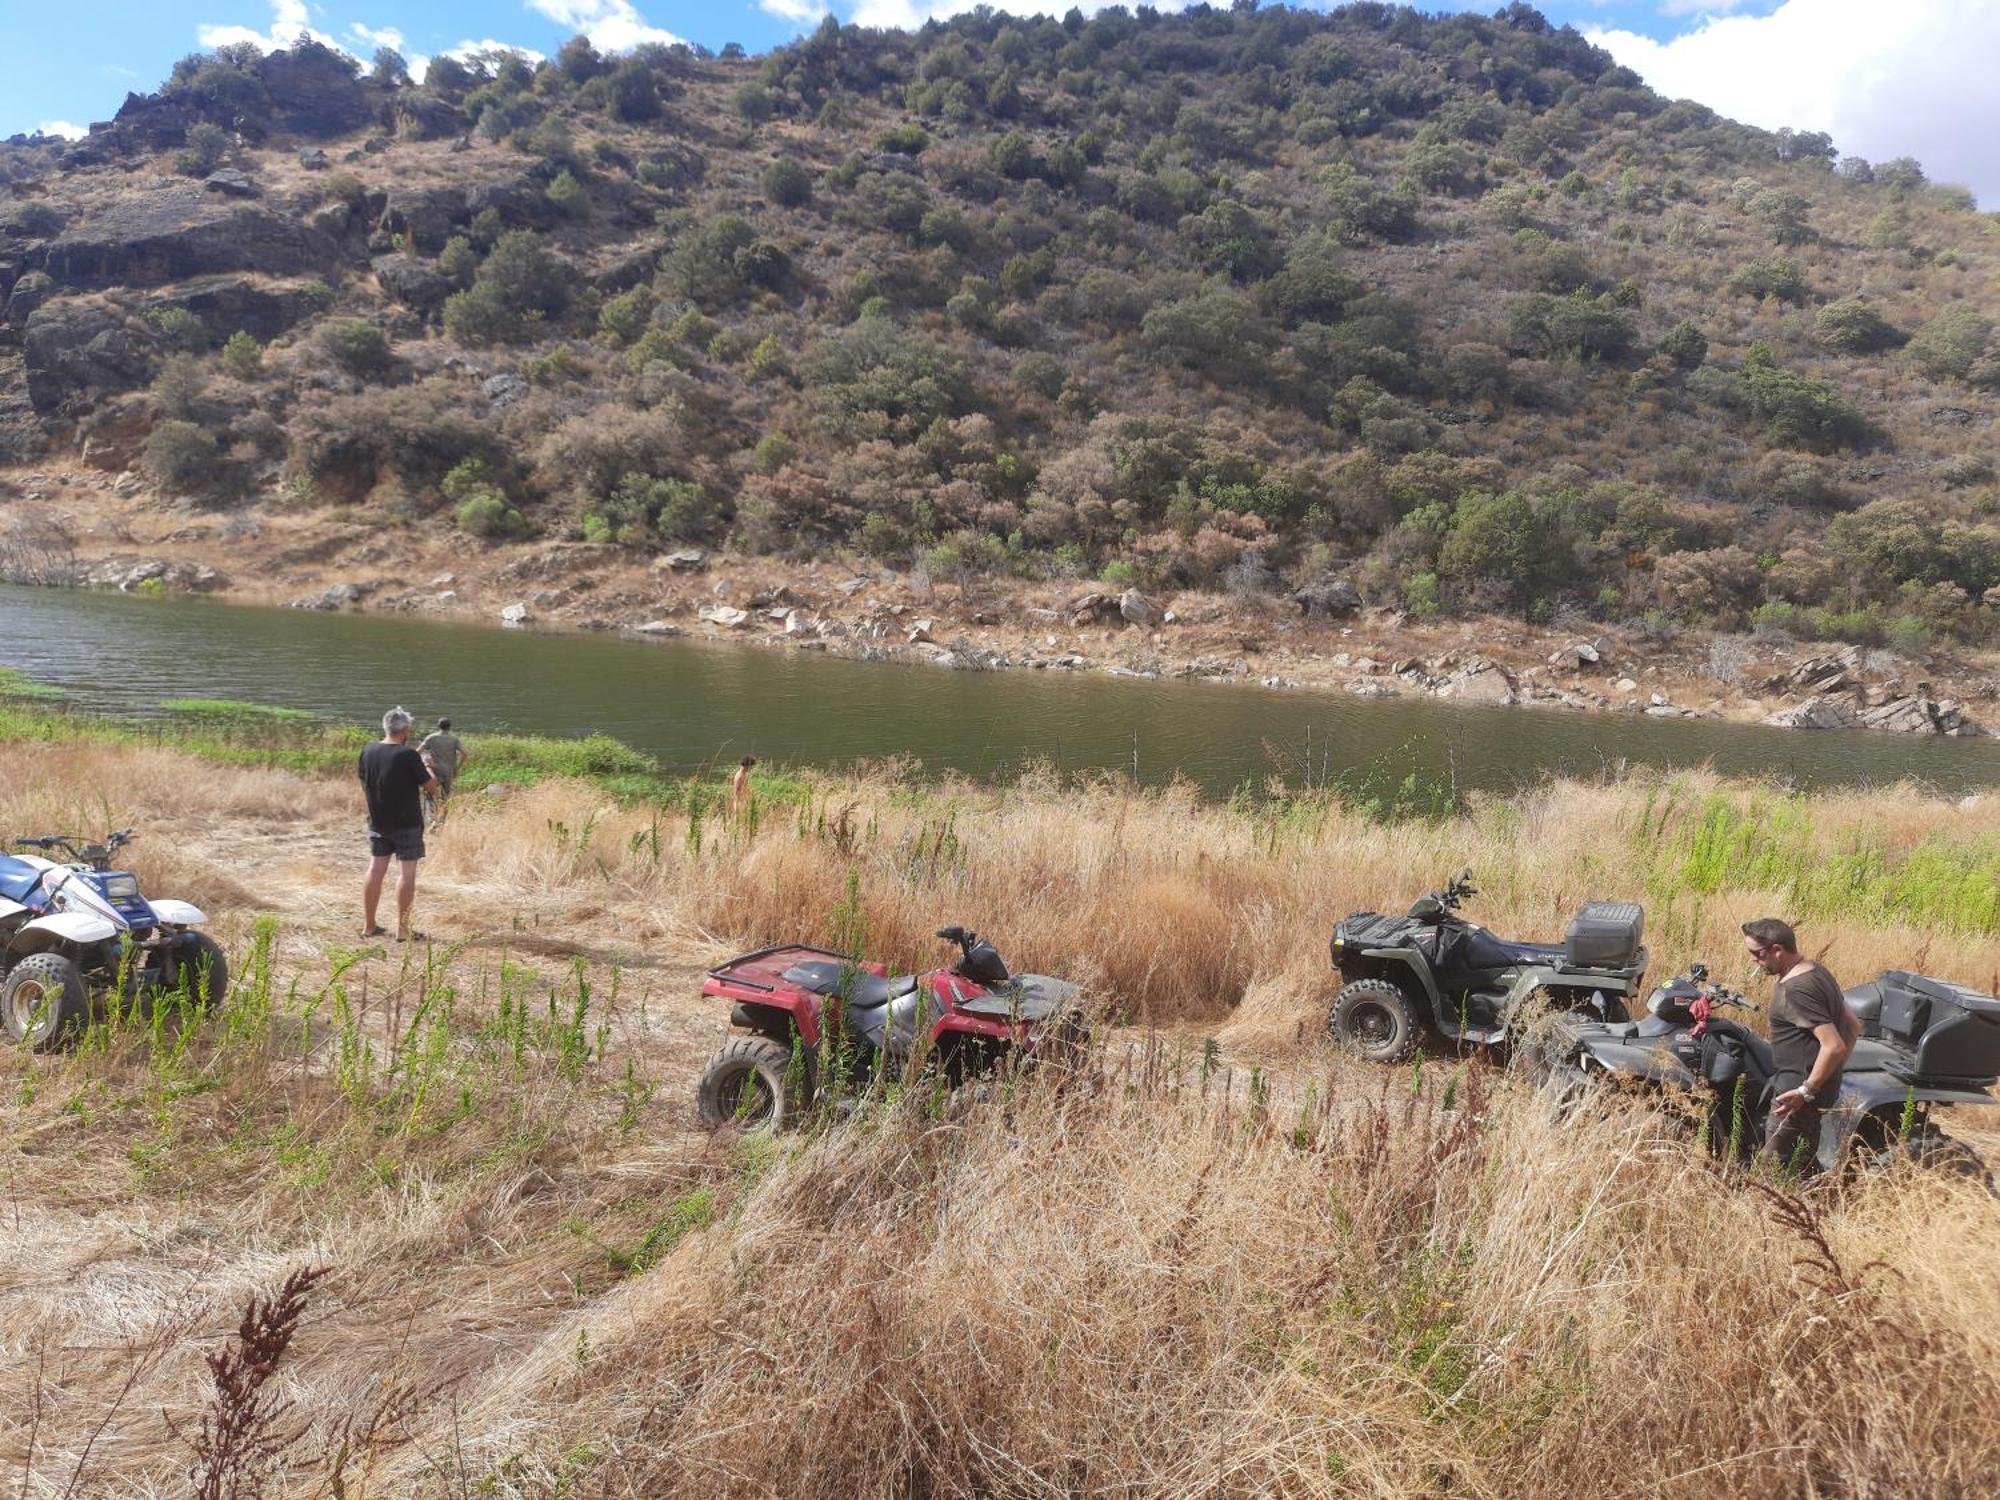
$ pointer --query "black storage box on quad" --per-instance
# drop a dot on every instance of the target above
(1948, 1030)
(1605, 934)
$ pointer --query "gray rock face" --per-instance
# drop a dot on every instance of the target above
(1480, 682)
(228, 303)
(1136, 609)
(29, 293)
(425, 214)
(74, 353)
(333, 596)
(412, 282)
(1581, 656)
(232, 183)
(314, 159)
(1920, 715)
(503, 390)
(314, 92)
(1814, 713)
(1329, 596)
(522, 202)
(156, 238)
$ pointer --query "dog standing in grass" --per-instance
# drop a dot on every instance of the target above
(394, 778)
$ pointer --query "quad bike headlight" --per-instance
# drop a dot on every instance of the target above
(121, 888)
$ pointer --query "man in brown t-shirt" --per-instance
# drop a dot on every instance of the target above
(1812, 1033)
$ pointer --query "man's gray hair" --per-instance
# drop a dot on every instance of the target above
(396, 721)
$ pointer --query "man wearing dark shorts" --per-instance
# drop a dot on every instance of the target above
(447, 756)
(394, 776)
(1812, 1033)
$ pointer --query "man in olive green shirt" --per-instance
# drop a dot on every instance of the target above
(447, 755)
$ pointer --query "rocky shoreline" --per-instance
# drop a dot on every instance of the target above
(1322, 638)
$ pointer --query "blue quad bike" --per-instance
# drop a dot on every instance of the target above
(73, 931)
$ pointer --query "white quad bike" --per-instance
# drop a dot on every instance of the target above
(72, 930)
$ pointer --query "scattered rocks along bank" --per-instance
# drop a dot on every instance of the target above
(72, 525)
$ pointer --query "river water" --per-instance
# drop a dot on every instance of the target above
(693, 705)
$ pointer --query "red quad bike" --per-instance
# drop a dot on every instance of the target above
(789, 1000)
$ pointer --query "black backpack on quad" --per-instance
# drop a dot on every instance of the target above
(1433, 971)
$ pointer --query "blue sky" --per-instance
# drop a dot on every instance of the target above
(1885, 77)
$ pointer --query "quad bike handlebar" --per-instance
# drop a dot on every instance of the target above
(95, 855)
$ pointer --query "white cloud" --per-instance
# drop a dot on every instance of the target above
(611, 25)
(908, 15)
(799, 11)
(467, 51)
(1909, 79)
(376, 36)
(63, 128)
(288, 21)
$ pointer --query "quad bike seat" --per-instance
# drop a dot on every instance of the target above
(862, 991)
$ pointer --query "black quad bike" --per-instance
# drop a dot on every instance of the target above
(1433, 971)
(1926, 1044)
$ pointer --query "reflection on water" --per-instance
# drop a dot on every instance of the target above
(692, 705)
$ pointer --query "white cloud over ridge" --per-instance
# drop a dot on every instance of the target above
(289, 20)
(611, 25)
(62, 128)
(1913, 78)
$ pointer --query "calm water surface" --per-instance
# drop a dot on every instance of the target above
(692, 704)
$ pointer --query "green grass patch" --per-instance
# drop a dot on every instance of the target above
(1770, 842)
(236, 709)
(14, 683)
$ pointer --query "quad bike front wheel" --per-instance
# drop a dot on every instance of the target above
(749, 1085)
(1375, 1019)
(44, 1003)
(205, 970)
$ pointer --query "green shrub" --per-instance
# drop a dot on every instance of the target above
(487, 514)
(206, 145)
(1686, 346)
(481, 505)
(904, 140)
(623, 318)
(1776, 276)
(242, 357)
(568, 196)
(1802, 411)
(458, 261)
(179, 385)
(357, 346)
(182, 457)
(180, 330)
(1579, 325)
(1947, 347)
(788, 183)
(1851, 326)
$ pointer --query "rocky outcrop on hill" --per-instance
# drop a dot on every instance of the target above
(76, 352)
(227, 303)
(151, 239)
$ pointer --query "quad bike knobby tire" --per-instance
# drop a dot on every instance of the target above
(1375, 1019)
(749, 1084)
(206, 971)
(44, 1003)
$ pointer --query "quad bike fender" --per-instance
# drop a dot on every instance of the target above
(1636, 1060)
(64, 928)
(1397, 965)
(178, 913)
(1873, 1092)
(777, 1022)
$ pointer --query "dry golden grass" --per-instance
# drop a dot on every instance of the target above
(1247, 1270)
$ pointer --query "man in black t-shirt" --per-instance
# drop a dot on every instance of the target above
(394, 778)
(1812, 1033)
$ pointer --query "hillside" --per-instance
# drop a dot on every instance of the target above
(1452, 310)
